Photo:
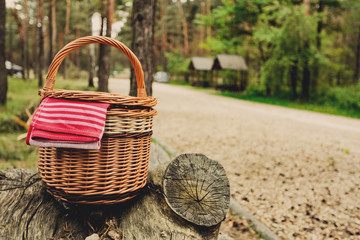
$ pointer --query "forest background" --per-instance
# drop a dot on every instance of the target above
(295, 49)
(300, 53)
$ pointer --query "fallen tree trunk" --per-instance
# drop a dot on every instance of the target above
(195, 188)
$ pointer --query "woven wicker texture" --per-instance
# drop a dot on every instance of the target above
(118, 125)
(99, 97)
(102, 176)
(116, 172)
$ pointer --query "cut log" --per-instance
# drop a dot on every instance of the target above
(28, 212)
(197, 189)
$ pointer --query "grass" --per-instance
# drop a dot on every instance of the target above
(16, 154)
(179, 83)
(324, 107)
(22, 94)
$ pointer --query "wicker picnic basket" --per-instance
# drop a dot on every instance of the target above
(116, 172)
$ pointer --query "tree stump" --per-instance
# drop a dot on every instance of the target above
(197, 189)
(28, 212)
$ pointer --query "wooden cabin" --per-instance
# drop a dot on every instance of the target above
(201, 71)
(235, 63)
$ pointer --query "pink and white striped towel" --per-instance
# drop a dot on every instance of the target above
(68, 124)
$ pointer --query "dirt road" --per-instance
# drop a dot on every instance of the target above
(297, 171)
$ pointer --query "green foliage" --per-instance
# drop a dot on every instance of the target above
(331, 102)
(291, 43)
(232, 21)
(177, 63)
(285, 44)
(21, 94)
(336, 99)
(342, 97)
(218, 46)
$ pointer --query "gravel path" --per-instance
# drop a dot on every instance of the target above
(297, 171)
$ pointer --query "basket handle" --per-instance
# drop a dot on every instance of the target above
(59, 57)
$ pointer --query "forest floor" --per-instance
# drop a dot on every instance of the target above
(297, 171)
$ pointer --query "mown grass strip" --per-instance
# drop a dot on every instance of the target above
(310, 106)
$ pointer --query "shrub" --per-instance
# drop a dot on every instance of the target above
(177, 63)
(341, 97)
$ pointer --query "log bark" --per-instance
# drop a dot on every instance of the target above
(29, 212)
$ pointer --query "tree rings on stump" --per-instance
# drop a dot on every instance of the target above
(197, 189)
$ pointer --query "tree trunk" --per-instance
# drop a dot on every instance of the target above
(164, 36)
(3, 75)
(104, 56)
(26, 38)
(21, 36)
(50, 57)
(319, 24)
(78, 35)
(357, 60)
(306, 71)
(91, 53)
(142, 42)
(184, 199)
(66, 31)
(293, 78)
(102, 12)
(101, 33)
(33, 36)
(78, 51)
(10, 27)
(91, 66)
(208, 12)
(306, 79)
(184, 28)
(202, 28)
(245, 73)
(267, 88)
(53, 26)
(40, 60)
(314, 79)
